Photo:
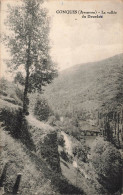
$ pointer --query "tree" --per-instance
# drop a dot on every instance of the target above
(106, 160)
(42, 110)
(81, 151)
(29, 46)
(19, 78)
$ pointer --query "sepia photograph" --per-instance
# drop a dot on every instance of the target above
(61, 97)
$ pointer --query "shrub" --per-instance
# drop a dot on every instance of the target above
(19, 78)
(42, 109)
(49, 151)
(64, 156)
(19, 93)
(61, 140)
(17, 126)
(52, 120)
(81, 151)
(3, 84)
(10, 90)
(106, 160)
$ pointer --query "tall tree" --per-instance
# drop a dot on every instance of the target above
(29, 45)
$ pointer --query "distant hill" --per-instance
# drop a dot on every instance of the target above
(88, 87)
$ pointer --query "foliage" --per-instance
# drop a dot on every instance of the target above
(16, 125)
(70, 128)
(19, 93)
(64, 155)
(37, 177)
(49, 151)
(75, 121)
(11, 92)
(19, 78)
(61, 140)
(86, 88)
(19, 160)
(106, 160)
(30, 23)
(52, 120)
(29, 46)
(3, 84)
(42, 110)
(81, 151)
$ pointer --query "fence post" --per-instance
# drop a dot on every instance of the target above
(3, 175)
(17, 183)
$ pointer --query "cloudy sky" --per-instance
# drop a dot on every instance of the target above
(76, 40)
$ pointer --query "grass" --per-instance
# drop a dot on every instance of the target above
(81, 89)
(83, 175)
(11, 92)
(37, 176)
(19, 161)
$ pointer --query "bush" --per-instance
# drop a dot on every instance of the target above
(64, 156)
(52, 120)
(49, 151)
(61, 140)
(10, 90)
(106, 160)
(81, 151)
(16, 125)
(3, 84)
(42, 109)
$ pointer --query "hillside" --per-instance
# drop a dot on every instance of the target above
(15, 156)
(17, 159)
(88, 87)
(44, 157)
(28, 149)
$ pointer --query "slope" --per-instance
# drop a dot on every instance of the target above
(30, 151)
(91, 87)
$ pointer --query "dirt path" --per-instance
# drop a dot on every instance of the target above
(34, 122)
(68, 143)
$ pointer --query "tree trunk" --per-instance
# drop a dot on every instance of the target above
(118, 120)
(115, 128)
(122, 124)
(28, 63)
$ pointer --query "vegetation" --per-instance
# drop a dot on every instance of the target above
(41, 109)
(48, 156)
(61, 141)
(102, 169)
(12, 122)
(81, 151)
(106, 160)
(18, 159)
(49, 151)
(48, 167)
(29, 46)
(37, 176)
(11, 92)
(112, 125)
(85, 89)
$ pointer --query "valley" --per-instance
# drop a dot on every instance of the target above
(71, 140)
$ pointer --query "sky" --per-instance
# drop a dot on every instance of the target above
(75, 40)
